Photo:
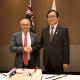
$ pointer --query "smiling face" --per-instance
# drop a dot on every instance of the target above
(52, 18)
(25, 25)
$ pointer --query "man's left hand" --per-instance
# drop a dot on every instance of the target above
(66, 66)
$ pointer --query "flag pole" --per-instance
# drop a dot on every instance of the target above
(54, 5)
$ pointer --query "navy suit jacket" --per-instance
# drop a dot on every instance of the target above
(55, 52)
(16, 46)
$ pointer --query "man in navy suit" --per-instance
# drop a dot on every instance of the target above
(55, 43)
(17, 46)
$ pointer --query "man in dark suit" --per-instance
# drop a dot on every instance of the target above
(31, 50)
(55, 43)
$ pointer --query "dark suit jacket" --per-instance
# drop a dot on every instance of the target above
(16, 46)
(55, 52)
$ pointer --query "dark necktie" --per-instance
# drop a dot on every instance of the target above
(51, 34)
(25, 55)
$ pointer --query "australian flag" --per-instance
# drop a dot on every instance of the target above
(29, 15)
(12, 72)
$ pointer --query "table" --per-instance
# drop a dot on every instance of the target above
(3, 76)
(60, 77)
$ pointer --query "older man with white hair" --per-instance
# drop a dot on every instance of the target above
(24, 45)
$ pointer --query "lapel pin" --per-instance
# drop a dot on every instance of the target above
(56, 32)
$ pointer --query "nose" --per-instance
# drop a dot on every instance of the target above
(25, 25)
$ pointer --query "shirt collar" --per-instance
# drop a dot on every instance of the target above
(54, 26)
(27, 33)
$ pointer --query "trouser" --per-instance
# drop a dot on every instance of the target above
(28, 65)
(53, 70)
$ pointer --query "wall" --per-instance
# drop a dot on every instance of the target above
(11, 11)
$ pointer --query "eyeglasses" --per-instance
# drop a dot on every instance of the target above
(51, 16)
(25, 24)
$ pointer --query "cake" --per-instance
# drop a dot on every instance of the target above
(25, 74)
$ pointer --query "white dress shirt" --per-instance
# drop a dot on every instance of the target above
(54, 29)
(28, 41)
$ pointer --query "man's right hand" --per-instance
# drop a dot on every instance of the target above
(27, 49)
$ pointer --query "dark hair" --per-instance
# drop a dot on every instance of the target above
(57, 14)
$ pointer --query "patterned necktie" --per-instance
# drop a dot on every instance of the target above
(51, 35)
(25, 55)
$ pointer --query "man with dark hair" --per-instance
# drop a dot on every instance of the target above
(55, 43)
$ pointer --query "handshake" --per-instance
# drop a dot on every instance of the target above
(28, 49)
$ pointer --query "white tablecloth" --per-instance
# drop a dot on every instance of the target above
(61, 77)
(3, 76)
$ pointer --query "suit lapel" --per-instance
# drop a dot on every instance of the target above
(57, 32)
(32, 38)
(20, 39)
